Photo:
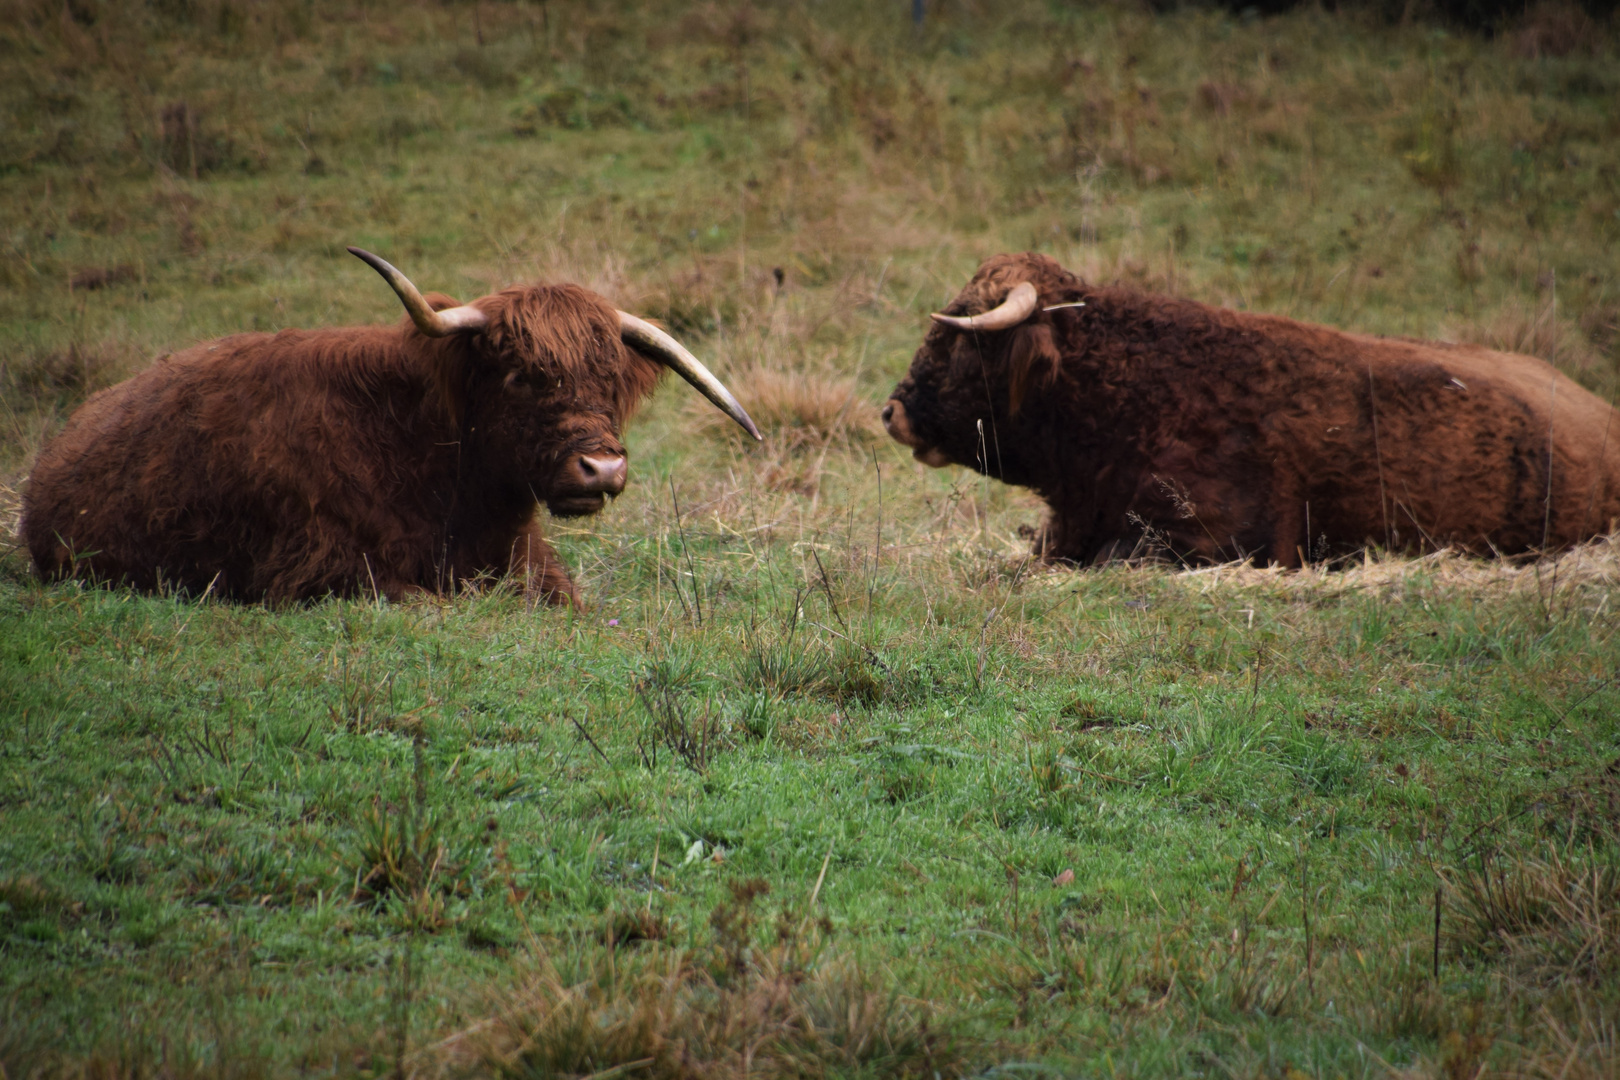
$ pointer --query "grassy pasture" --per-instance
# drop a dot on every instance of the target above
(827, 781)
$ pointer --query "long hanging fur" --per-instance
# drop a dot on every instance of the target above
(1227, 434)
(357, 460)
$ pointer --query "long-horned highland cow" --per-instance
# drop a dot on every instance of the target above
(370, 460)
(1225, 434)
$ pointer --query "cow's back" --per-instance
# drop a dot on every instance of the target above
(1450, 444)
(1275, 433)
(196, 471)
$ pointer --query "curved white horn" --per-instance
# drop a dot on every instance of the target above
(1019, 305)
(432, 323)
(647, 338)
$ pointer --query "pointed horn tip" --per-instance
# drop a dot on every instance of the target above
(376, 262)
(657, 343)
(738, 415)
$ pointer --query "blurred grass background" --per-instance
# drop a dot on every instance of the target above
(352, 839)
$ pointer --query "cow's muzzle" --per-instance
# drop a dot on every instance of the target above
(585, 483)
(898, 424)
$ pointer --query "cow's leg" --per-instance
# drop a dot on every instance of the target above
(1066, 537)
(1042, 541)
(398, 591)
(534, 562)
(1289, 542)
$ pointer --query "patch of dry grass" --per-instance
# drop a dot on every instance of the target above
(792, 1007)
(799, 410)
(1582, 1046)
(1592, 568)
(1548, 916)
(10, 515)
(664, 1016)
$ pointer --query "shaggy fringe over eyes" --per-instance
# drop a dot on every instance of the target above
(570, 333)
(1000, 273)
(1034, 360)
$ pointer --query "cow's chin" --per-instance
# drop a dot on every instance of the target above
(932, 456)
(571, 506)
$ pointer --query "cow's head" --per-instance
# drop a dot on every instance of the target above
(551, 373)
(984, 360)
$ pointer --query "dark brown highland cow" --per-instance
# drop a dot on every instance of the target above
(357, 460)
(1226, 435)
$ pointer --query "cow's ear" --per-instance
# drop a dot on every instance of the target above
(1032, 361)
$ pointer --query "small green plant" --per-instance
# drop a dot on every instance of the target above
(409, 865)
(695, 740)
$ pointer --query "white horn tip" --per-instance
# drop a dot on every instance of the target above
(658, 345)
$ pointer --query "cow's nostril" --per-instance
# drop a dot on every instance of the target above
(603, 473)
(888, 412)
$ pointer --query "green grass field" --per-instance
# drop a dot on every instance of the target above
(827, 780)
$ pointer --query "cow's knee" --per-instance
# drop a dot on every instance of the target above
(536, 564)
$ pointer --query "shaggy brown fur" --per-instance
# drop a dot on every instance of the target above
(358, 460)
(1226, 434)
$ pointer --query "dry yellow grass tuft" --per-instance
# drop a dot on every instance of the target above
(1594, 566)
(1585, 1046)
(803, 416)
(800, 410)
(789, 1009)
(10, 514)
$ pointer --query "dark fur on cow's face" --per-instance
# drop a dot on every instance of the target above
(1226, 434)
(551, 381)
(963, 389)
(350, 460)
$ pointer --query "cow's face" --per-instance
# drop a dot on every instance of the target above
(561, 385)
(933, 412)
(541, 378)
(565, 438)
(965, 398)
